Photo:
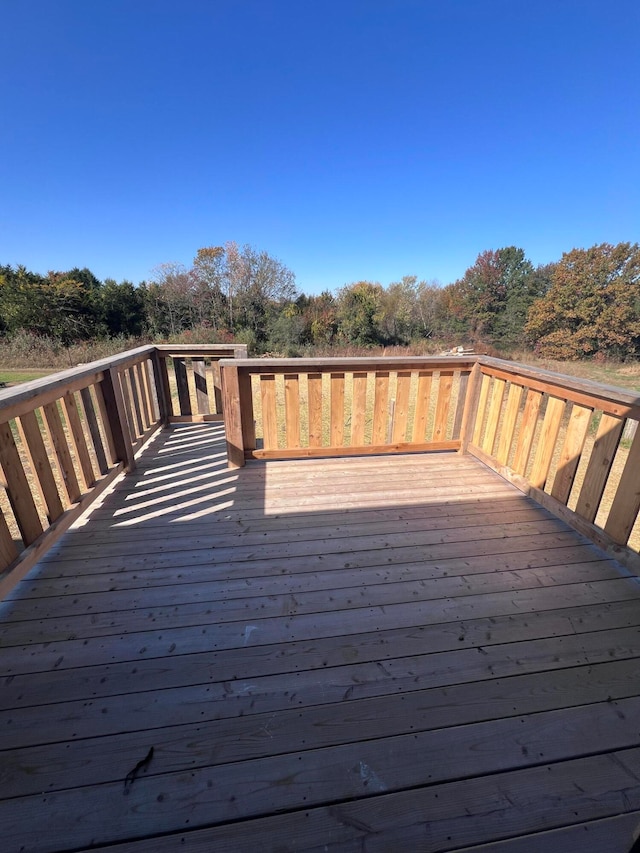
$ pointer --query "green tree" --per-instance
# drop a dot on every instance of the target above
(358, 313)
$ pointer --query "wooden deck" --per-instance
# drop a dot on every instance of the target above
(381, 654)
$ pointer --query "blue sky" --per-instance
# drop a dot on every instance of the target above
(352, 140)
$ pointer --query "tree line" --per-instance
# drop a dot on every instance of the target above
(585, 304)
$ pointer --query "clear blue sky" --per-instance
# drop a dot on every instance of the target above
(353, 139)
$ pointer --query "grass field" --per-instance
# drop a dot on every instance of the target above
(14, 377)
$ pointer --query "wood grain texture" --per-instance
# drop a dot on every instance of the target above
(382, 652)
(292, 409)
(58, 440)
(599, 467)
(269, 411)
(336, 410)
(40, 464)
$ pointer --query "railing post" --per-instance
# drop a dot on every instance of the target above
(114, 401)
(232, 408)
(163, 391)
(470, 412)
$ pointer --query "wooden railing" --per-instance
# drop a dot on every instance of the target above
(571, 444)
(191, 379)
(300, 408)
(66, 437)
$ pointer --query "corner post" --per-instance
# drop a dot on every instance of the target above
(232, 408)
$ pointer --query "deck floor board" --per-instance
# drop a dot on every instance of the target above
(375, 653)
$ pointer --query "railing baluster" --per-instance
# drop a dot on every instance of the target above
(358, 408)
(94, 430)
(336, 416)
(493, 418)
(33, 444)
(18, 490)
(527, 431)
(269, 418)
(292, 409)
(443, 402)
(77, 439)
(184, 399)
(626, 503)
(314, 384)
(509, 423)
(423, 404)
(547, 442)
(59, 442)
(401, 412)
(200, 380)
(571, 452)
(8, 549)
(600, 462)
(380, 408)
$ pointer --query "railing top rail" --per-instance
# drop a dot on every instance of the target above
(27, 392)
(586, 387)
(201, 349)
(319, 365)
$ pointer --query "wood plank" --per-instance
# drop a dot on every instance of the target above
(336, 412)
(184, 398)
(292, 409)
(626, 502)
(200, 380)
(599, 467)
(140, 371)
(314, 384)
(443, 403)
(418, 765)
(116, 417)
(461, 399)
(509, 423)
(59, 442)
(94, 430)
(615, 834)
(78, 440)
(401, 414)
(127, 404)
(17, 487)
(320, 452)
(571, 452)
(483, 400)
(423, 407)
(527, 431)
(40, 464)
(380, 409)
(134, 396)
(547, 442)
(112, 457)
(235, 428)
(245, 389)
(163, 389)
(8, 549)
(494, 415)
(358, 409)
(217, 387)
(150, 391)
(269, 412)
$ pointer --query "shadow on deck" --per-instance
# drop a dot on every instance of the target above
(382, 653)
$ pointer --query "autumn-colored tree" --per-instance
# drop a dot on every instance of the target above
(592, 307)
